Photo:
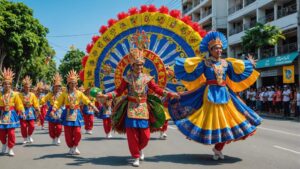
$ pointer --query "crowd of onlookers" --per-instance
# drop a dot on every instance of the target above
(279, 100)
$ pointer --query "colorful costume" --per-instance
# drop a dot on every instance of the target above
(43, 107)
(88, 116)
(10, 106)
(105, 114)
(71, 116)
(28, 118)
(54, 122)
(211, 112)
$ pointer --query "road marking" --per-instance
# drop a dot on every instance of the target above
(286, 149)
(279, 131)
(172, 127)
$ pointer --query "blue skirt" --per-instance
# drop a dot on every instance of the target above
(78, 122)
(57, 113)
(30, 114)
(14, 120)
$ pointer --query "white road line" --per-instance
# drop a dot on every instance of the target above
(286, 149)
(171, 127)
(279, 131)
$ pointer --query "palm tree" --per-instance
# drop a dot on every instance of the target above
(260, 36)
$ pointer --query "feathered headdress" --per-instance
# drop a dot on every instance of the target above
(141, 41)
(40, 85)
(57, 79)
(8, 75)
(27, 81)
(212, 39)
(72, 76)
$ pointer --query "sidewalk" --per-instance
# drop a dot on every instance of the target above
(278, 116)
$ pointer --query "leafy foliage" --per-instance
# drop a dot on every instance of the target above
(260, 36)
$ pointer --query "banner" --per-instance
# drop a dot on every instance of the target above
(288, 74)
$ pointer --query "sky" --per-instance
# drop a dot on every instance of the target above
(74, 22)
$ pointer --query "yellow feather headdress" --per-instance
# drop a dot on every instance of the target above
(72, 76)
(8, 75)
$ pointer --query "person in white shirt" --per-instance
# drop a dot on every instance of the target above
(261, 99)
(270, 99)
(297, 114)
(286, 100)
(252, 95)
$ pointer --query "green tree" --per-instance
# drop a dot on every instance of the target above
(22, 37)
(72, 60)
(261, 36)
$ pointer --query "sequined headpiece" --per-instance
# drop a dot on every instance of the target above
(8, 75)
(57, 79)
(141, 42)
(40, 85)
(212, 39)
(27, 81)
(72, 76)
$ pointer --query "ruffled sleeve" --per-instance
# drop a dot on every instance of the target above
(190, 72)
(240, 75)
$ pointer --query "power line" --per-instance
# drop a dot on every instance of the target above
(74, 35)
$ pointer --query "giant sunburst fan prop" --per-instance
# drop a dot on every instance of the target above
(170, 35)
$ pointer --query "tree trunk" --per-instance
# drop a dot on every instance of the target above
(2, 56)
(19, 74)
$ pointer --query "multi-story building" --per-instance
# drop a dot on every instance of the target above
(244, 14)
(210, 14)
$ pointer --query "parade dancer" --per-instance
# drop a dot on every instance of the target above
(54, 121)
(137, 115)
(31, 105)
(211, 112)
(43, 107)
(164, 128)
(71, 116)
(10, 106)
(105, 108)
(88, 115)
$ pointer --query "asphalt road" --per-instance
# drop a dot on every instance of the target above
(276, 145)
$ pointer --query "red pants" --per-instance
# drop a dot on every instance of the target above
(107, 125)
(220, 146)
(27, 127)
(88, 121)
(54, 129)
(10, 135)
(138, 139)
(164, 127)
(43, 114)
(72, 135)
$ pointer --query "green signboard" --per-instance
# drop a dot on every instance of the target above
(277, 61)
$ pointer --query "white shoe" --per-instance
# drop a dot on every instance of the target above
(215, 157)
(58, 141)
(54, 141)
(11, 152)
(25, 140)
(142, 155)
(76, 151)
(30, 139)
(90, 132)
(43, 128)
(71, 151)
(4, 148)
(163, 135)
(218, 153)
(136, 162)
(109, 135)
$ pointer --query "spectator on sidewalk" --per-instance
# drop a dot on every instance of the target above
(286, 100)
(270, 94)
(297, 114)
(277, 99)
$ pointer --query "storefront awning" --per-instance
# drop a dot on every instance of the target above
(277, 60)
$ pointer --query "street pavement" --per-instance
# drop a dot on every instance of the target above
(276, 145)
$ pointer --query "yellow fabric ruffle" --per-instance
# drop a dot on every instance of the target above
(168, 117)
(190, 64)
(237, 64)
(194, 84)
(213, 116)
(243, 85)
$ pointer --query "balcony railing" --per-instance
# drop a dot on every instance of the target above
(238, 29)
(235, 8)
(267, 18)
(288, 48)
(248, 2)
(265, 53)
(249, 25)
(197, 2)
(206, 13)
(287, 10)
